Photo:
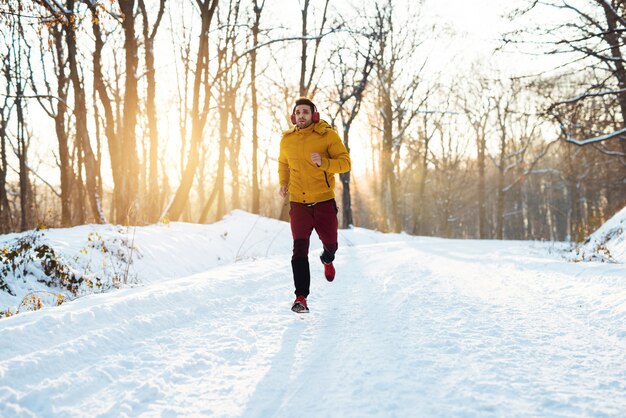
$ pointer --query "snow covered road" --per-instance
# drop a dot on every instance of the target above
(416, 327)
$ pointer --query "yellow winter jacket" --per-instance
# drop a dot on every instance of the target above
(306, 182)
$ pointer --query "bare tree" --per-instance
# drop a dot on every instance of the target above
(478, 109)
(110, 107)
(451, 181)
(200, 108)
(592, 35)
(352, 74)
(399, 81)
(56, 108)
(517, 132)
(229, 79)
(80, 114)
(432, 122)
(127, 198)
(67, 16)
(19, 56)
(154, 209)
(6, 222)
(256, 191)
(308, 87)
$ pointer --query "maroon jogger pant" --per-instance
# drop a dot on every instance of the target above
(304, 219)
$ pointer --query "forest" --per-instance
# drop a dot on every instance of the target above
(136, 112)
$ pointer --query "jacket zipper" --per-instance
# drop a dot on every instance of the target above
(326, 178)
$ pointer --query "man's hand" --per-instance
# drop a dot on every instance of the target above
(316, 158)
(283, 192)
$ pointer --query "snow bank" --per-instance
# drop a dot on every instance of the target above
(608, 243)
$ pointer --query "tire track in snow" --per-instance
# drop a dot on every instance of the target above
(184, 335)
(468, 333)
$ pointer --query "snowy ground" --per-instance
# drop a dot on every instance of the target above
(410, 327)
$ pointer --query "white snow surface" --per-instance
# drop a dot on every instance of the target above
(411, 326)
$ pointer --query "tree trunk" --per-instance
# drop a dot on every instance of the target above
(6, 223)
(198, 115)
(612, 38)
(207, 206)
(482, 198)
(67, 173)
(79, 205)
(154, 209)
(574, 210)
(234, 150)
(346, 202)
(82, 131)
(303, 51)
(127, 204)
(221, 164)
(393, 191)
(5, 209)
(421, 194)
(22, 146)
(110, 121)
(256, 191)
(500, 198)
(387, 165)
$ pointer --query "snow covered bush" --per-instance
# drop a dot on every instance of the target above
(30, 266)
(607, 244)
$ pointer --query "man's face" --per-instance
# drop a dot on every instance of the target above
(304, 117)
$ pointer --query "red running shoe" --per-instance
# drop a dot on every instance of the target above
(329, 270)
(299, 306)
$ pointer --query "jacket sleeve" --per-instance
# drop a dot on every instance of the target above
(339, 161)
(283, 166)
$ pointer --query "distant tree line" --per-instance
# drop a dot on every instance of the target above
(135, 112)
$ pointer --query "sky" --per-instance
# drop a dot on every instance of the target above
(477, 27)
(480, 19)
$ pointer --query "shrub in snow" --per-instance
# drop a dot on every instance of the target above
(28, 256)
(29, 265)
(31, 302)
(607, 244)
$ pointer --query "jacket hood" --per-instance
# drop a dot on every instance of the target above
(320, 127)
